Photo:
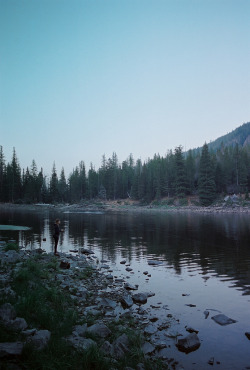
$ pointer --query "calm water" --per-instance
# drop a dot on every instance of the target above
(206, 263)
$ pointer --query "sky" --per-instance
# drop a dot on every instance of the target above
(80, 79)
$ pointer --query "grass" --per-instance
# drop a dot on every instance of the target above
(11, 247)
(44, 305)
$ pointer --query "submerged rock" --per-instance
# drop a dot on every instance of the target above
(222, 319)
(154, 263)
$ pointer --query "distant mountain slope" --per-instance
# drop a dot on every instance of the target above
(240, 136)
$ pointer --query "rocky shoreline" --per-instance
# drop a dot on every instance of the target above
(104, 298)
(222, 207)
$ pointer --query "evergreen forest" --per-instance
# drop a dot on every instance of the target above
(218, 168)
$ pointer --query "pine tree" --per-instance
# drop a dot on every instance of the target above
(180, 173)
(92, 182)
(62, 187)
(14, 183)
(53, 188)
(206, 178)
(2, 175)
(190, 171)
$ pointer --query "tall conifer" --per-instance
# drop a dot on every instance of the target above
(206, 178)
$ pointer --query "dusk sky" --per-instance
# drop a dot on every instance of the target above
(83, 78)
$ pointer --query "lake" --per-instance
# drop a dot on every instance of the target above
(205, 266)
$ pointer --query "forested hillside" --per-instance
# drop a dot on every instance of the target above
(222, 166)
(240, 136)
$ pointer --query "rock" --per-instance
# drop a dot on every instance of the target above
(92, 310)
(153, 318)
(129, 269)
(18, 324)
(151, 294)
(79, 330)
(222, 319)
(206, 313)
(107, 348)
(150, 329)
(129, 286)
(11, 257)
(119, 280)
(145, 272)
(154, 263)
(121, 346)
(105, 267)
(64, 265)
(189, 343)
(11, 349)
(106, 302)
(147, 348)
(82, 292)
(211, 361)
(191, 330)
(123, 262)
(7, 312)
(28, 332)
(190, 305)
(40, 339)
(7, 291)
(247, 334)
(81, 343)
(100, 330)
(127, 301)
(86, 251)
(140, 298)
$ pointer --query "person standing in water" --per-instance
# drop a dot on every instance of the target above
(56, 234)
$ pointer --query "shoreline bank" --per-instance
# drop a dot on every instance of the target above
(117, 206)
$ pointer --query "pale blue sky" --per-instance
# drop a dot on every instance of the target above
(83, 78)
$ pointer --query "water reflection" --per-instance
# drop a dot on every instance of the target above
(208, 244)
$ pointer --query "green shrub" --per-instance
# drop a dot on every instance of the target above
(11, 247)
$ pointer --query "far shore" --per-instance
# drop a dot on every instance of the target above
(133, 206)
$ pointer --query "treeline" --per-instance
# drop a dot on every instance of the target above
(178, 174)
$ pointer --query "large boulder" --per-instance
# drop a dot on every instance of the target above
(189, 343)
